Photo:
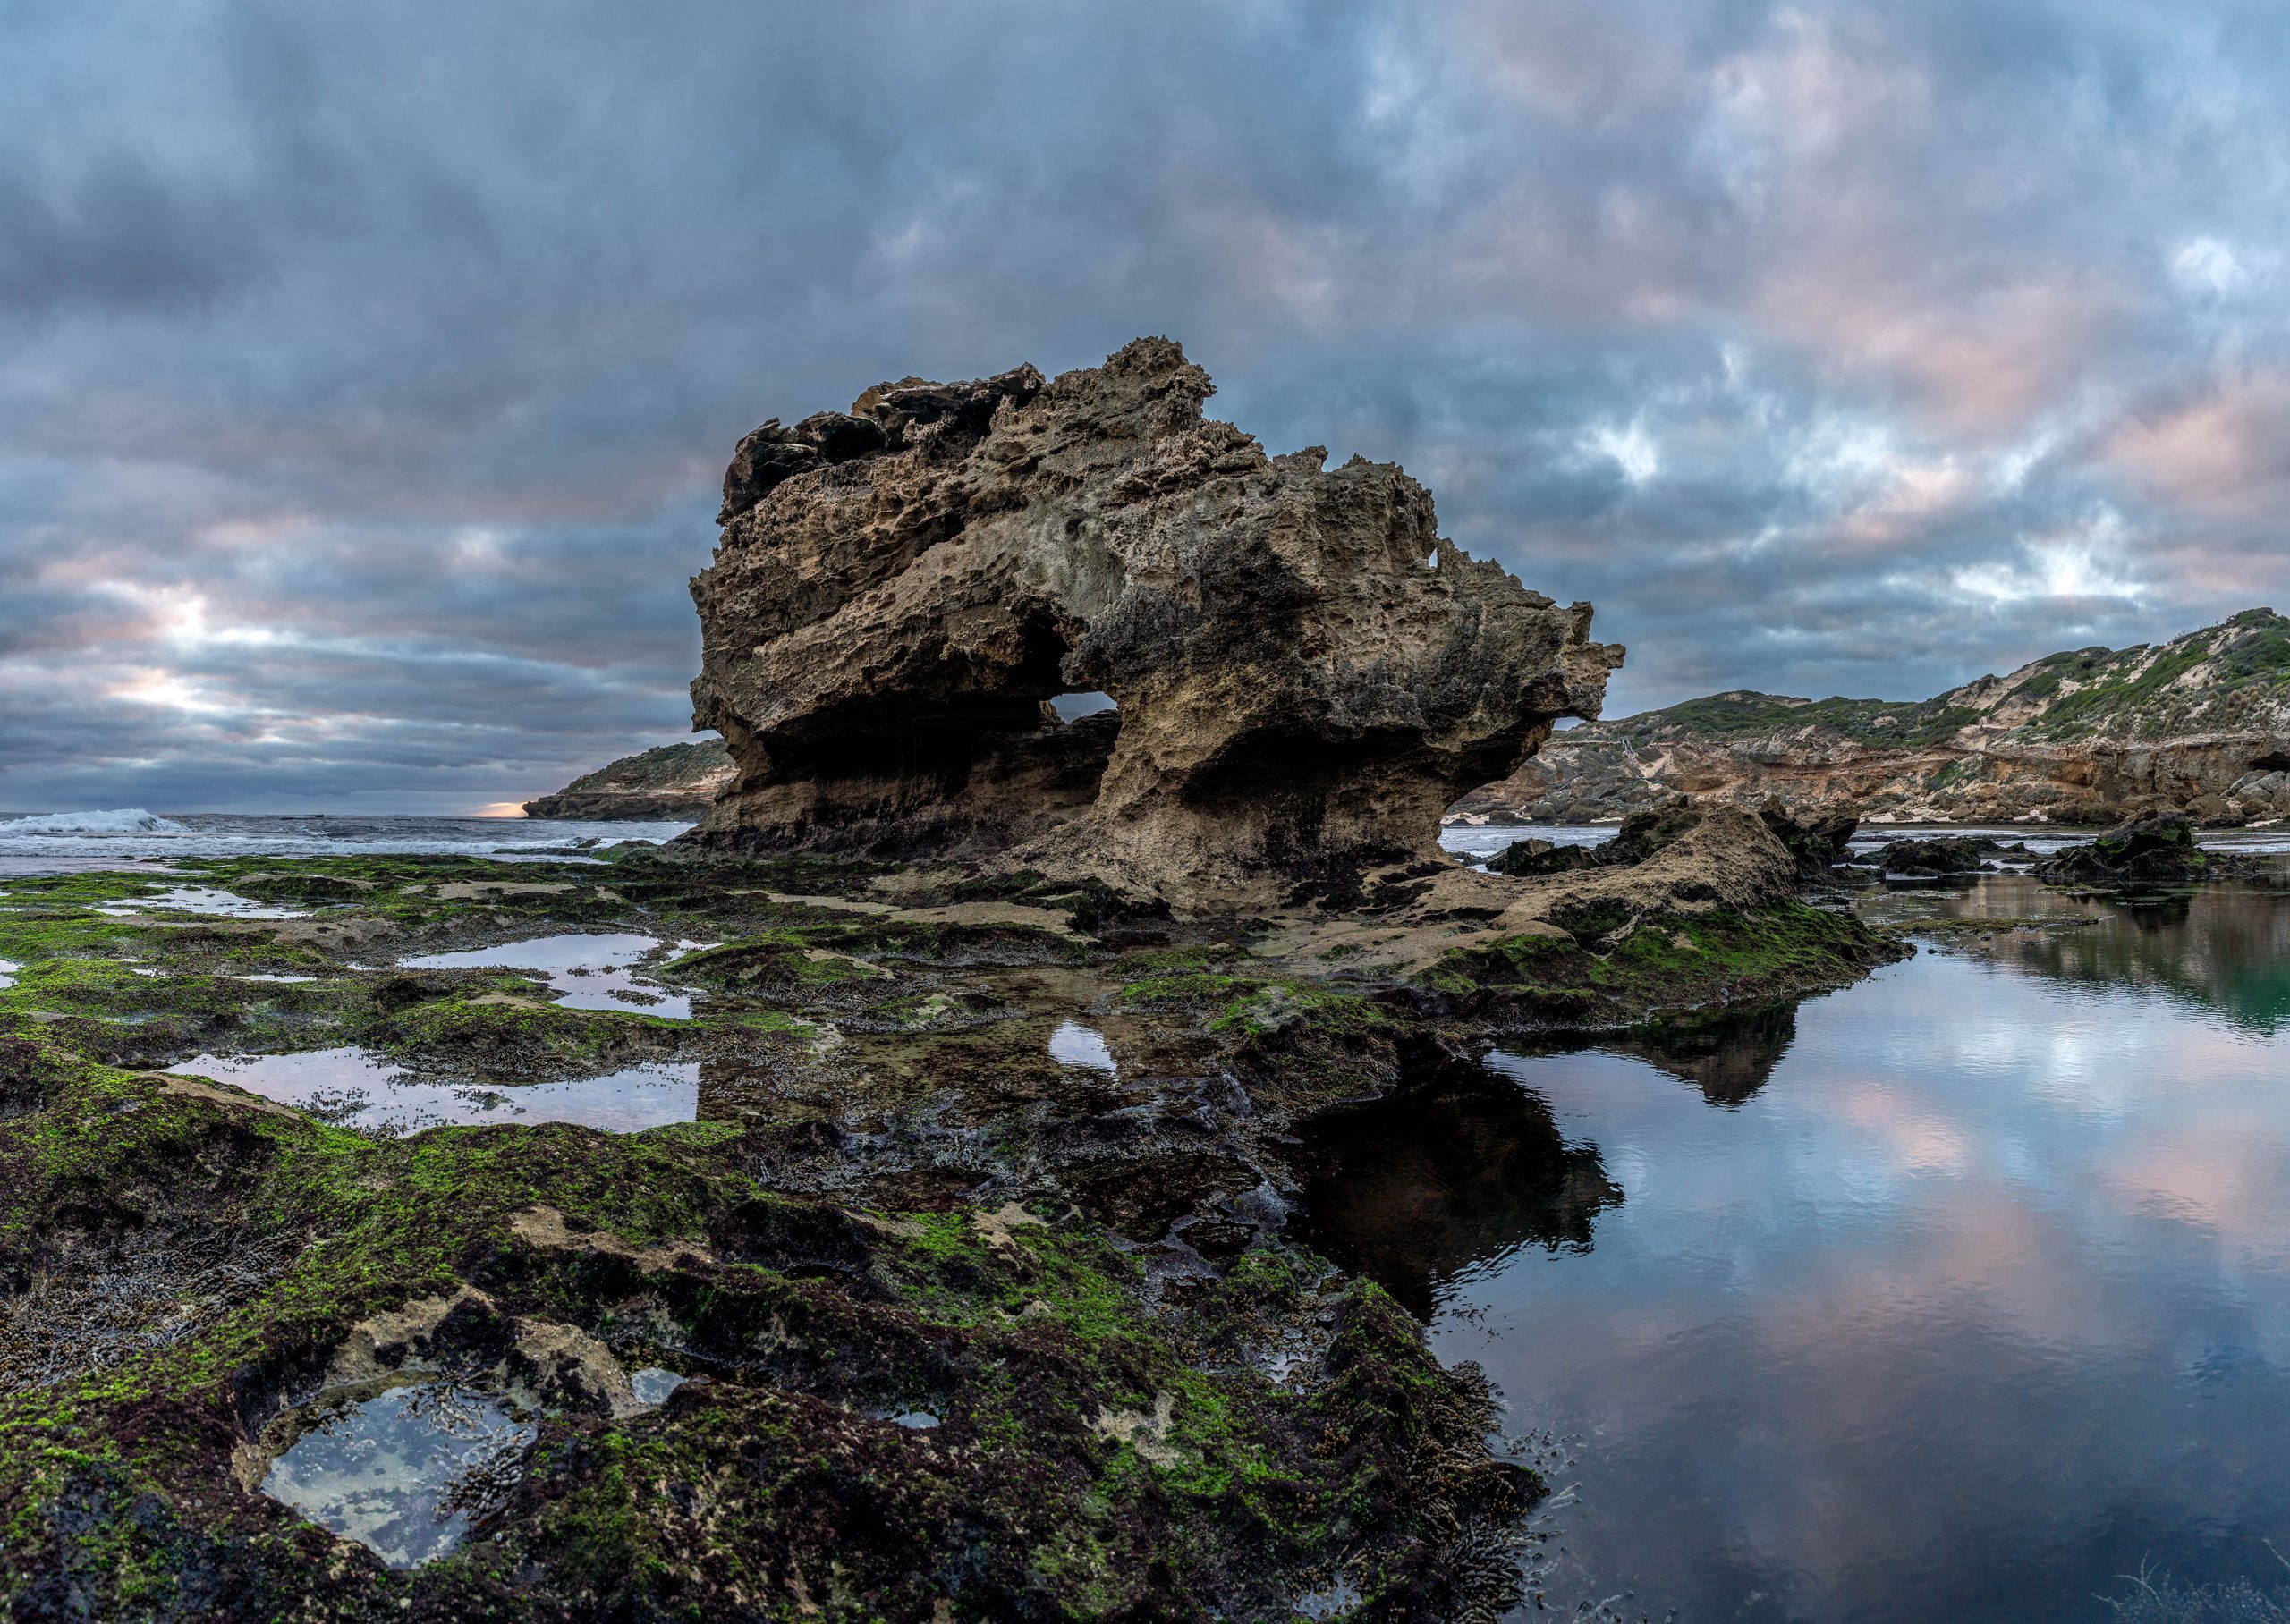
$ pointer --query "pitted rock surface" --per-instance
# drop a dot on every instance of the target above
(1306, 673)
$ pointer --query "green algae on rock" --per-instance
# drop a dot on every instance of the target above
(1094, 1456)
(1660, 966)
(910, 1189)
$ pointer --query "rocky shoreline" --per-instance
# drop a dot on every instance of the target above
(2198, 727)
(1146, 1395)
(969, 1270)
(986, 1262)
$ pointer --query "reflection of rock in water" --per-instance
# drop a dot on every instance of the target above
(1728, 1057)
(2171, 908)
(1464, 1166)
(2224, 949)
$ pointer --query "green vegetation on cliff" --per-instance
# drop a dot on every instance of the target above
(1743, 714)
(2198, 727)
(670, 781)
(2234, 674)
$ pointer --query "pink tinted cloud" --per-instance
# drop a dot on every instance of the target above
(2224, 451)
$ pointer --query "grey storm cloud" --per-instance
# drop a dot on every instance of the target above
(366, 373)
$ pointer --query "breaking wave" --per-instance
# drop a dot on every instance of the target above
(128, 820)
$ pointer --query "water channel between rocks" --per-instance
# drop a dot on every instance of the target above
(1956, 1294)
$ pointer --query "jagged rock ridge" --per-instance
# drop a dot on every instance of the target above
(2198, 727)
(670, 782)
(1306, 673)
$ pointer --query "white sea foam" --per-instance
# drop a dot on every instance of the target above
(67, 843)
(127, 820)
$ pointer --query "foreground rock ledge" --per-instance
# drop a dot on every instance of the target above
(1306, 674)
(969, 1327)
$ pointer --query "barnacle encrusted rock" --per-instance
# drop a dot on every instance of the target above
(1305, 673)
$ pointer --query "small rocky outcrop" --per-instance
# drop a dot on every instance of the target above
(1532, 857)
(673, 783)
(1677, 860)
(1944, 855)
(1818, 840)
(2160, 849)
(1303, 674)
(1688, 908)
(1816, 845)
(2198, 727)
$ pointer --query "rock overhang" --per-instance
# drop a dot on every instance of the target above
(1305, 672)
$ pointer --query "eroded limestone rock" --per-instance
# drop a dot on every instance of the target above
(1306, 674)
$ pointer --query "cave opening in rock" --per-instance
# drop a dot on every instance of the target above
(1073, 707)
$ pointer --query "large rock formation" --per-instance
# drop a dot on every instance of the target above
(2198, 726)
(672, 782)
(1305, 672)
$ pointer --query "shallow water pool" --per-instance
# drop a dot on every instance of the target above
(200, 900)
(593, 971)
(1083, 1048)
(402, 1472)
(369, 1092)
(1954, 1295)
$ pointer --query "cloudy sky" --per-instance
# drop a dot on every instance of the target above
(367, 372)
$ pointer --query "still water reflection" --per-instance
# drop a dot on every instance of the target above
(1971, 1294)
(1415, 1191)
(402, 1472)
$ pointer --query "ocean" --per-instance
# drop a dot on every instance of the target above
(57, 842)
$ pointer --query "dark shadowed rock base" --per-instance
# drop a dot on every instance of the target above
(2155, 849)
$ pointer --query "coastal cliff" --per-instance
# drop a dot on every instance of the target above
(673, 783)
(2198, 727)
